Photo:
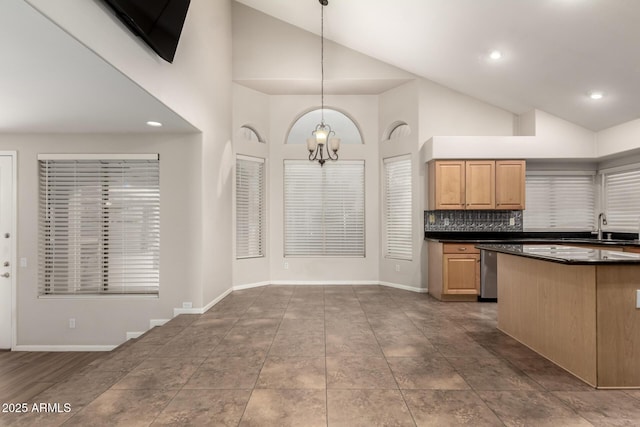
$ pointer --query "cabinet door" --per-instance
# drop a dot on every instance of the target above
(461, 274)
(510, 184)
(480, 184)
(448, 184)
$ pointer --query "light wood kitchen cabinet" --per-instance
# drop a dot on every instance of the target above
(480, 184)
(454, 271)
(476, 184)
(447, 184)
(510, 184)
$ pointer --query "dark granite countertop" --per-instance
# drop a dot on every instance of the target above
(564, 254)
(578, 238)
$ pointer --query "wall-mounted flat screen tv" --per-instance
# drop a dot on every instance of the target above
(158, 22)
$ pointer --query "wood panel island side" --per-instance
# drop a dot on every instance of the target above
(575, 306)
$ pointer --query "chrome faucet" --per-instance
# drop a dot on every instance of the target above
(602, 220)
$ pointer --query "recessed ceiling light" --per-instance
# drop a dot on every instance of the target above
(154, 124)
(596, 94)
(495, 54)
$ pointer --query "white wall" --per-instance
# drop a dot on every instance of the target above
(402, 104)
(284, 109)
(444, 111)
(252, 108)
(197, 86)
(619, 139)
(266, 48)
(105, 321)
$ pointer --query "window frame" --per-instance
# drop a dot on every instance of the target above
(632, 206)
(261, 236)
(125, 247)
(554, 224)
(405, 253)
(325, 243)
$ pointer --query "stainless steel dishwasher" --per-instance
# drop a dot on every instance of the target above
(488, 276)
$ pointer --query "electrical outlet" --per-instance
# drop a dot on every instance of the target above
(397, 267)
(187, 305)
(286, 265)
(72, 323)
(446, 221)
(512, 221)
(638, 298)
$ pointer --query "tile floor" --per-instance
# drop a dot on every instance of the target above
(329, 356)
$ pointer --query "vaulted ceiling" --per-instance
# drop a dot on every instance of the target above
(554, 51)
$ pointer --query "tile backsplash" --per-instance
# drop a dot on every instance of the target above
(473, 220)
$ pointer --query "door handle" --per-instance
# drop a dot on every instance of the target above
(6, 275)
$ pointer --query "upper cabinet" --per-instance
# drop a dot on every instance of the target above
(480, 179)
(510, 182)
(447, 184)
(476, 184)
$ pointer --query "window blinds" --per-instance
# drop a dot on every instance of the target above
(99, 226)
(324, 208)
(622, 199)
(559, 202)
(250, 207)
(398, 208)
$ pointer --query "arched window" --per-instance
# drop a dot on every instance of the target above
(249, 133)
(344, 127)
(397, 130)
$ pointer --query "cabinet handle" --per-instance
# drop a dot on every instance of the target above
(462, 249)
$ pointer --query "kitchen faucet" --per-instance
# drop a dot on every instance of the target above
(602, 220)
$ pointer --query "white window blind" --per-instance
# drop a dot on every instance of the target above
(99, 226)
(250, 207)
(559, 201)
(398, 208)
(324, 208)
(622, 199)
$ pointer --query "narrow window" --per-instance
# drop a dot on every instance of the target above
(622, 199)
(398, 208)
(250, 207)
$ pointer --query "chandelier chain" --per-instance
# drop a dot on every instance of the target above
(322, 63)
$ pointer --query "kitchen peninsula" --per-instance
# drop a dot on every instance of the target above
(575, 306)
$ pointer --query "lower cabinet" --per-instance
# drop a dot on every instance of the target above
(454, 271)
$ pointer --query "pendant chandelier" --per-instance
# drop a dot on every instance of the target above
(323, 140)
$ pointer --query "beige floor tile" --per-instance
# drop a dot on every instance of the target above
(307, 345)
(204, 408)
(129, 408)
(603, 407)
(293, 373)
(366, 408)
(534, 408)
(430, 373)
(226, 372)
(359, 373)
(449, 408)
(283, 408)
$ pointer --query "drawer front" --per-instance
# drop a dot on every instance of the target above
(460, 248)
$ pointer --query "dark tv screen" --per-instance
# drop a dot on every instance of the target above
(158, 22)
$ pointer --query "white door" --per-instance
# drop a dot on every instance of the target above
(6, 250)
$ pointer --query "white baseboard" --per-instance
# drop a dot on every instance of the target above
(325, 282)
(250, 285)
(404, 287)
(202, 310)
(133, 335)
(217, 300)
(329, 283)
(64, 347)
(157, 322)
